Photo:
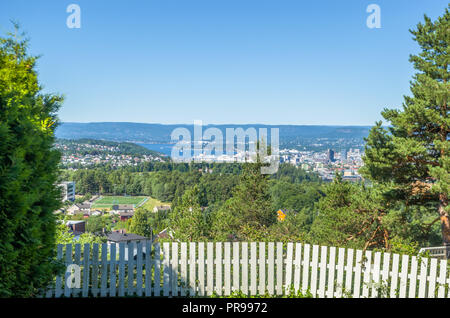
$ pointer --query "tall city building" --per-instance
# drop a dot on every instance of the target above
(344, 155)
(330, 155)
(68, 190)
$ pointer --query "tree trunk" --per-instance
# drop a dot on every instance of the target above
(445, 223)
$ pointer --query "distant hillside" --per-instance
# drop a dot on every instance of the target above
(94, 147)
(158, 133)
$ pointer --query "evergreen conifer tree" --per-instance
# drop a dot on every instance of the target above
(410, 157)
(28, 173)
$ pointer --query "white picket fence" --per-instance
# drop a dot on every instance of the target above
(201, 269)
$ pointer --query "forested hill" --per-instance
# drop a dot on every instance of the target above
(159, 133)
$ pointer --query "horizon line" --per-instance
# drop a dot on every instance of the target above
(209, 124)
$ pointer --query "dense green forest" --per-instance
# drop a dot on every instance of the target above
(235, 202)
(168, 182)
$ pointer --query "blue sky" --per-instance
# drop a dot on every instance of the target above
(223, 61)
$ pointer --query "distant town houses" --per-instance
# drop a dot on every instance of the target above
(113, 160)
(79, 208)
(85, 155)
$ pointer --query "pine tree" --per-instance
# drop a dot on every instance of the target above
(189, 221)
(411, 155)
(249, 211)
(28, 173)
(350, 215)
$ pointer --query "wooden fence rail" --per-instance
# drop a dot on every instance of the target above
(221, 268)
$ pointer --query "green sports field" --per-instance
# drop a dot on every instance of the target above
(106, 202)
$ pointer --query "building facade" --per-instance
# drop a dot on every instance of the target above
(68, 190)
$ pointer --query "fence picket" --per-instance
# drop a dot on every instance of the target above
(130, 269)
(139, 269)
(183, 269)
(209, 268)
(77, 261)
(148, 268)
(367, 279)
(323, 271)
(423, 277)
(441, 279)
(201, 269)
(270, 268)
(219, 266)
(86, 266)
(112, 270)
(227, 269)
(104, 270)
(253, 271)
(432, 278)
(174, 269)
(157, 268)
(349, 271)
(279, 261)
(394, 275)
(376, 275)
(340, 272)
(262, 268)
(297, 266)
(95, 271)
(305, 275)
(166, 269)
(67, 288)
(404, 276)
(288, 273)
(331, 271)
(357, 281)
(236, 266)
(121, 269)
(314, 266)
(245, 276)
(192, 269)
(386, 269)
(413, 278)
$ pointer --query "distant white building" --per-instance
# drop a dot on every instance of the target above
(68, 190)
(161, 208)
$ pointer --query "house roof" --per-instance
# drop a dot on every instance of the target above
(123, 207)
(75, 222)
(126, 213)
(124, 237)
(83, 206)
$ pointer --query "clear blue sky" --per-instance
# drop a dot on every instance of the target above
(223, 61)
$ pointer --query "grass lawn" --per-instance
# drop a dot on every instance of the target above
(151, 203)
(106, 202)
